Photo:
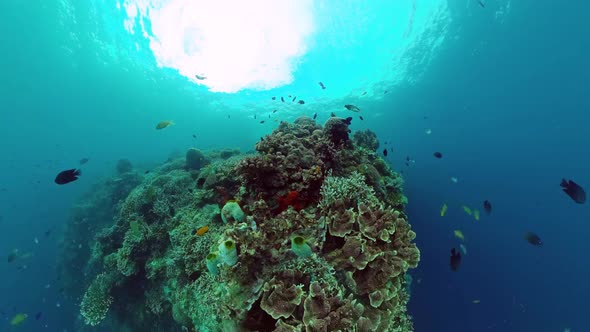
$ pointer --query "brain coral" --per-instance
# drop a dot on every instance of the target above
(307, 182)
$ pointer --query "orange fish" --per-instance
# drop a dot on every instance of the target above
(201, 231)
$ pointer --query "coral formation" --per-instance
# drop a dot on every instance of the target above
(308, 234)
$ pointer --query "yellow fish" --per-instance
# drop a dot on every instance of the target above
(164, 124)
(476, 214)
(467, 209)
(443, 210)
(18, 319)
(459, 235)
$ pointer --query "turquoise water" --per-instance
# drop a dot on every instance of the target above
(501, 89)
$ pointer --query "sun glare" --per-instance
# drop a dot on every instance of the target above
(226, 45)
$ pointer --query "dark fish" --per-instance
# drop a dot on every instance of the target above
(67, 176)
(487, 206)
(455, 260)
(315, 115)
(228, 116)
(483, 5)
(437, 155)
(364, 93)
(201, 182)
(574, 191)
(385, 91)
(274, 98)
(269, 116)
(200, 77)
(322, 85)
(12, 256)
(360, 117)
(348, 120)
(254, 116)
(301, 102)
(385, 152)
(351, 107)
(533, 239)
(274, 111)
(261, 139)
(294, 98)
(332, 114)
(282, 99)
(289, 96)
(83, 161)
(147, 171)
(38, 315)
(262, 121)
(195, 136)
(47, 232)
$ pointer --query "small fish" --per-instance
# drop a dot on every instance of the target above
(459, 235)
(228, 116)
(454, 179)
(301, 102)
(467, 210)
(199, 77)
(487, 207)
(385, 152)
(282, 99)
(289, 96)
(164, 124)
(352, 108)
(361, 117)
(294, 98)
(262, 121)
(476, 214)
(18, 319)
(261, 139)
(455, 260)
(437, 155)
(36, 240)
(83, 161)
(574, 191)
(13, 256)
(428, 131)
(463, 249)
(254, 116)
(443, 210)
(274, 98)
(315, 115)
(274, 111)
(475, 301)
(364, 93)
(201, 231)
(195, 136)
(533, 239)
(47, 233)
(146, 172)
(332, 114)
(481, 3)
(348, 120)
(276, 120)
(322, 85)
(38, 315)
(67, 176)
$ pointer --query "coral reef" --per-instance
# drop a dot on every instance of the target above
(308, 234)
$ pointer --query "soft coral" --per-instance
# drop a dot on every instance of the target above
(292, 198)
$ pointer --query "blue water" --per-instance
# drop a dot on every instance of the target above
(506, 99)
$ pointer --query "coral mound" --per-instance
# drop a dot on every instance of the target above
(313, 238)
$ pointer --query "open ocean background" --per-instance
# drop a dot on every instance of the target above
(504, 90)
